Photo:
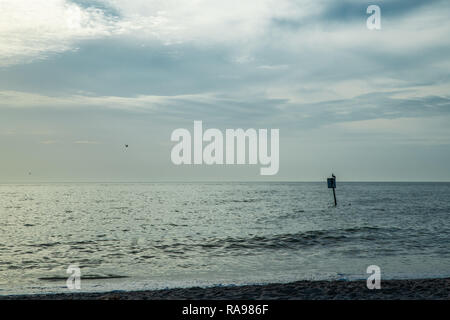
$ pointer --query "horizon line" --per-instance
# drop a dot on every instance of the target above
(225, 181)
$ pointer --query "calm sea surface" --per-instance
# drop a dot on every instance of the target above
(144, 236)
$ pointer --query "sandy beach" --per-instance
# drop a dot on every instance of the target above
(428, 289)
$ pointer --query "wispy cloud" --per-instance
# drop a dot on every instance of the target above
(48, 142)
(86, 142)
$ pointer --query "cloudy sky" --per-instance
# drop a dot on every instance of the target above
(79, 79)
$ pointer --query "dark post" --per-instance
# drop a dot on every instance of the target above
(332, 185)
(334, 195)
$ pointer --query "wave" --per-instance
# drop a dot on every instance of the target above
(85, 277)
(294, 240)
(286, 241)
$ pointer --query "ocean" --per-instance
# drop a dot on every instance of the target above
(136, 236)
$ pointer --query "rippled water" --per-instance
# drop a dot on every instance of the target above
(142, 236)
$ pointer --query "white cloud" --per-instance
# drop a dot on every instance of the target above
(86, 142)
(210, 20)
(34, 29)
(16, 99)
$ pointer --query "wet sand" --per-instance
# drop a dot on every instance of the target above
(434, 289)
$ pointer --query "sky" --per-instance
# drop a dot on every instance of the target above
(80, 79)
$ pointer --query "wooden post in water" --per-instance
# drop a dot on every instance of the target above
(334, 195)
(332, 185)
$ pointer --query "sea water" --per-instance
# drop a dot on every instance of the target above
(134, 236)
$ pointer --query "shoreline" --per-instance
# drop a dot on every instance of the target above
(413, 289)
